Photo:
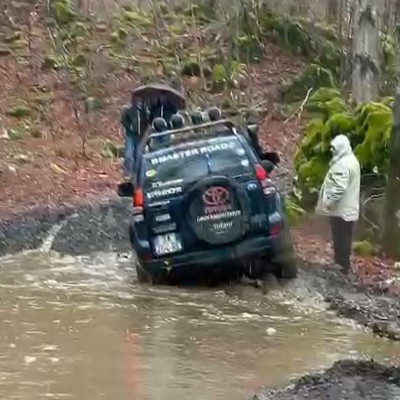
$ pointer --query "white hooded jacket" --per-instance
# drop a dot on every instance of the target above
(340, 192)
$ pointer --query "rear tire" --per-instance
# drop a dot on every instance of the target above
(287, 269)
(142, 275)
(255, 268)
(286, 261)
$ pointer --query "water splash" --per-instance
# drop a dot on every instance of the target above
(47, 243)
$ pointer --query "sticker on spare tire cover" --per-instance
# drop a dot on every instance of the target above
(217, 205)
(179, 155)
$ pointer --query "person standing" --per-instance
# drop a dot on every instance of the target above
(339, 198)
(131, 116)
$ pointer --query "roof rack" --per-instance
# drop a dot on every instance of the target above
(228, 123)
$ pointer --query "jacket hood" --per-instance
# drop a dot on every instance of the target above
(340, 147)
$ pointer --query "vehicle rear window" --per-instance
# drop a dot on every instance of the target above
(192, 161)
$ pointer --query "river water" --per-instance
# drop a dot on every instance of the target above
(82, 328)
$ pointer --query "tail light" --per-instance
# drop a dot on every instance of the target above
(275, 229)
(138, 201)
(265, 181)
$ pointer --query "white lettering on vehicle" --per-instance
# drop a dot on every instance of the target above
(159, 184)
(211, 217)
(223, 226)
(164, 192)
(192, 152)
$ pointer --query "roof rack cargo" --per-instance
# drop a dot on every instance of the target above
(229, 124)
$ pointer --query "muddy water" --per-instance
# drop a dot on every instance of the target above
(82, 328)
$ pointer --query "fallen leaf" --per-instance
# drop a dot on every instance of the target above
(57, 169)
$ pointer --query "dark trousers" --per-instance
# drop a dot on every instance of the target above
(342, 234)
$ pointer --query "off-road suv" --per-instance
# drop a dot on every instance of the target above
(202, 199)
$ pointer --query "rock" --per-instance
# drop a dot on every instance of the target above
(4, 134)
(22, 158)
(93, 104)
(13, 37)
(4, 50)
(271, 331)
(49, 62)
(29, 360)
(79, 60)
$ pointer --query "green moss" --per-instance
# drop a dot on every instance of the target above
(191, 68)
(78, 60)
(312, 173)
(17, 133)
(137, 19)
(294, 212)
(314, 76)
(324, 106)
(364, 248)
(63, 12)
(19, 110)
(219, 76)
(312, 137)
(324, 94)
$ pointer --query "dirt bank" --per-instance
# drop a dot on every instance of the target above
(345, 380)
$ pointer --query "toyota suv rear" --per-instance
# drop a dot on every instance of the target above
(205, 200)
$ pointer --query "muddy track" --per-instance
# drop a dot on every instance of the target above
(346, 380)
(373, 309)
(104, 227)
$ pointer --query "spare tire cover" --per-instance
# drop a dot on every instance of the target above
(217, 210)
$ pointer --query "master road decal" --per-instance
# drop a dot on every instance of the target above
(179, 155)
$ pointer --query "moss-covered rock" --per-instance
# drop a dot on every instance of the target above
(364, 248)
(219, 76)
(313, 77)
(191, 68)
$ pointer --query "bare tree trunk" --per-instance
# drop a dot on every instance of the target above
(392, 217)
(365, 56)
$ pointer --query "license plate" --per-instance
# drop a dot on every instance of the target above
(168, 243)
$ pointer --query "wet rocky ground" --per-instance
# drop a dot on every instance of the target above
(103, 226)
(346, 380)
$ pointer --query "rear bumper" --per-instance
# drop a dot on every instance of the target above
(260, 247)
